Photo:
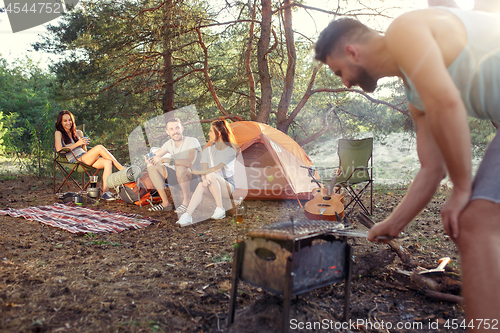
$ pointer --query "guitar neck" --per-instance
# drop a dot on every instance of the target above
(331, 186)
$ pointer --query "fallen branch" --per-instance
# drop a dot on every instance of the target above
(425, 285)
(403, 254)
(441, 296)
(423, 282)
(388, 285)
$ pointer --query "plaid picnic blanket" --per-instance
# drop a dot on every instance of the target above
(76, 219)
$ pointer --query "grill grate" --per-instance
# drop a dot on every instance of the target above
(288, 230)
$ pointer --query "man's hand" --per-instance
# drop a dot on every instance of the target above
(386, 230)
(155, 160)
(451, 211)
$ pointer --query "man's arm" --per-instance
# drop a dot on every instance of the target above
(157, 158)
(423, 187)
(187, 162)
(414, 44)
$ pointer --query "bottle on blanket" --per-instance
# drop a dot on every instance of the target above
(77, 199)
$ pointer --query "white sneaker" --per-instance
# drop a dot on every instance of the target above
(219, 213)
(185, 220)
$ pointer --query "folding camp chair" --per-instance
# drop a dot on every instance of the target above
(354, 174)
(68, 169)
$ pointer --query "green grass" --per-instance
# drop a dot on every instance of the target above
(7, 176)
(223, 258)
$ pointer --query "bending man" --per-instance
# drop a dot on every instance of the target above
(176, 169)
(449, 60)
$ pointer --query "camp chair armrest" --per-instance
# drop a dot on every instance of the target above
(363, 168)
(317, 169)
(64, 151)
(354, 170)
(325, 168)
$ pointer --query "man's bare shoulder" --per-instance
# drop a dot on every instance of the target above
(414, 32)
(417, 20)
(410, 22)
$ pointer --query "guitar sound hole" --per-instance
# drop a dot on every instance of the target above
(324, 205)
(327, 198)
(265, 254)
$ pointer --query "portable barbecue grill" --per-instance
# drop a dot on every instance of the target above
(293, 257)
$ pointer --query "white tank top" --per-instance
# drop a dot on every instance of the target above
(476, 70)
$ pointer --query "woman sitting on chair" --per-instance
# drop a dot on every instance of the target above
(217, 162)
(67, 136)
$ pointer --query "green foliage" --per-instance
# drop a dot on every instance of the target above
(115, 74)
(26, 124)
(124, 60)
(481, 134)
(3, 131)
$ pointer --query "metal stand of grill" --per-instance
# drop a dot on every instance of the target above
(290, 259)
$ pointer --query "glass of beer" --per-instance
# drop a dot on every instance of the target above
(241, 211)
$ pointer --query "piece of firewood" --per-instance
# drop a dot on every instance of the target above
(388, 285)
(448, 284)
(442, 296)
(423, 282)
(401, 251)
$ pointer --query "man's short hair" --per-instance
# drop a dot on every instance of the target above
(173, 119)
(335, 33)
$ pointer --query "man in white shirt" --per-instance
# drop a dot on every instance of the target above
(176, 169)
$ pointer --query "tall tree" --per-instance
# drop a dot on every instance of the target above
(128, 47)
(263, 50)
(132, 58)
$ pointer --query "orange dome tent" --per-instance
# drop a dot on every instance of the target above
(272, 162)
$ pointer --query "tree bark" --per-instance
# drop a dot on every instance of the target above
(248, 62)
(168, 99)
(207, 75)
(262, 51)
(286, 96)
(322, 131)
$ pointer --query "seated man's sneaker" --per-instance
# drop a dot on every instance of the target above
(108, 196)
(185, 220)
(219, 213)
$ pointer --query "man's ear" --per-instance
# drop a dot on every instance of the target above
(351, 51)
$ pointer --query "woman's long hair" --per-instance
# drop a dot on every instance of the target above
(60, 128)
(222, 129)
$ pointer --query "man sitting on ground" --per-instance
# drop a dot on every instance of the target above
(176, 169)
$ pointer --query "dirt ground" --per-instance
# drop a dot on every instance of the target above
(164, 278)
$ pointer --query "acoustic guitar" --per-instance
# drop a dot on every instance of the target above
(325, 203)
